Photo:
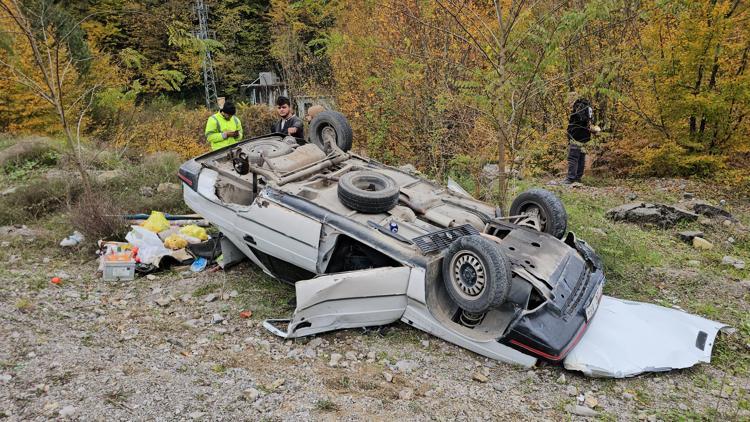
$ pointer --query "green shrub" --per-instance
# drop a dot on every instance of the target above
(671, 160)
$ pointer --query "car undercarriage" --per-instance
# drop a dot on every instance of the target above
(366, 244)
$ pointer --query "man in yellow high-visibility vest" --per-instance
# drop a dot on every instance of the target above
(224, 128)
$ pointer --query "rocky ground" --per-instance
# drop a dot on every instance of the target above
(176, 348)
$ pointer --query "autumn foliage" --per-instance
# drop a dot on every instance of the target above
(446, 85)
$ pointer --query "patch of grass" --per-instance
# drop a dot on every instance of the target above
(24, 305)
(116, 397)
(265, 296)
(205, 289)
(344, 382)
(219, 368)
(326, 405)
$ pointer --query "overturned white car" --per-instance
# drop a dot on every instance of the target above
(366, 244)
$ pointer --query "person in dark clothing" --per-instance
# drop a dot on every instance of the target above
(579, 133)
(289, 124)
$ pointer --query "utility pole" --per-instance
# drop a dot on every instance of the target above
(202, 33)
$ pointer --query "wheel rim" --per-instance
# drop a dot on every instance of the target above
(534, 212)
(468, 274)
(328, 134)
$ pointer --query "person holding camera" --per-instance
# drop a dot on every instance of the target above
(224, 128)
(580, 128)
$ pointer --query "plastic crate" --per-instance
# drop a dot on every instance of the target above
(118, 271)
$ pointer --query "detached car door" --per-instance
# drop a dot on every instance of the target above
(364, 298)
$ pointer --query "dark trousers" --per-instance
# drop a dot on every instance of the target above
(576, 162)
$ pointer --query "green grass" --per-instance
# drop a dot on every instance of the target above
(265, 296)
(326, 405)
(205, 289)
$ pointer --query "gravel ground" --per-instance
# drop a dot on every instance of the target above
(160, 350)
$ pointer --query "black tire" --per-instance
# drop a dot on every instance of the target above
(476, 273)
(552, 215)
(327, 120)
(368, 192)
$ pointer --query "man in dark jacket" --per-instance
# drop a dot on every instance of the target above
(579, 133)
(289, 124)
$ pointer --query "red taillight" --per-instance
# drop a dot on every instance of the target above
(185, 179)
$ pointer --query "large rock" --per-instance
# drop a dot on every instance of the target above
(711, 211)
(654, 214)
(105, 176)
(702, 244)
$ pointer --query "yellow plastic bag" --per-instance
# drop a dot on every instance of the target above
(194, 231)
(175, 241)
(156, 222)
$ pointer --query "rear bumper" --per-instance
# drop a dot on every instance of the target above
(549, 335)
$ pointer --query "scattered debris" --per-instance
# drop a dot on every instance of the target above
(735, 262)
(73, 240)
(561, 379)
(6, 377)
(216, 318)
(654, 214)
(199, 265)
(702, 244)
(388, 376)
(246, 313)
(56, 280)
(210, 297)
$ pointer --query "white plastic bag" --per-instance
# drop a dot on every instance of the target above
(150, 247)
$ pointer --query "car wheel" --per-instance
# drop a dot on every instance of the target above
(331, 126)
(546, 211)
(368, 192)
(476, 273)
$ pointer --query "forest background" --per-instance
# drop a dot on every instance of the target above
(446, 85)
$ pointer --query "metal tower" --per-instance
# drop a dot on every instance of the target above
(202, 33)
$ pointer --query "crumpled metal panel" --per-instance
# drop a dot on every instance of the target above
(628, 338)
